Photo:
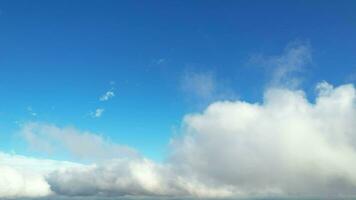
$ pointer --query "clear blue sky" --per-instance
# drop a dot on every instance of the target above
(57, 58)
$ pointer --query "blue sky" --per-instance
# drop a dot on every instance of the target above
(57, 58)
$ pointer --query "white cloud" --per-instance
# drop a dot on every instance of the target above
(28, 177)
(108, 95)
(286, 145)
(25, 177)
(116, 177)
(14, 183)
(117, 171)
(133, 177)
(98, 113)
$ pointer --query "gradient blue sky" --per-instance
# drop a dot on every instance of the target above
(58, 57)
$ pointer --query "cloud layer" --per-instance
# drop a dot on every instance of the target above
(286, 145)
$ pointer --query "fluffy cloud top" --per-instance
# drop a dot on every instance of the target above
(14, 183)
(286, 145)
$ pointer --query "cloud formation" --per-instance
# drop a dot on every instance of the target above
(129, 177)
(112, 178)
(284, 146)
(85, 145)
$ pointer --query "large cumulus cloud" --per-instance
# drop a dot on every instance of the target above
(285, 145)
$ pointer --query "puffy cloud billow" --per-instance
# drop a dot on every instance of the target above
(26, 177)
(15, 183)
(285, 145)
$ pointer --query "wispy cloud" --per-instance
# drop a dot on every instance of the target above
(204, 87)
(305, 148)
(105, 97)
(97, 113)
(199, 84)
(285, 69)
(108, 95)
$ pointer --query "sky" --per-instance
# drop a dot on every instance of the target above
(213, 99)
